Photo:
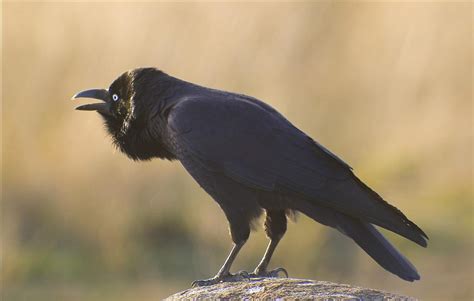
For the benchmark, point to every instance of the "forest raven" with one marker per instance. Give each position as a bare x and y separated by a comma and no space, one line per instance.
250,159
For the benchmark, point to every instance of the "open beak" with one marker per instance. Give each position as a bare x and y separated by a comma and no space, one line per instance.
100,94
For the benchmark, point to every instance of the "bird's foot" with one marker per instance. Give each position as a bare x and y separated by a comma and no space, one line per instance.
270,274
240,276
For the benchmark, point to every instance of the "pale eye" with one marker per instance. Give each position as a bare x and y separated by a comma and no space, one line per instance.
115,97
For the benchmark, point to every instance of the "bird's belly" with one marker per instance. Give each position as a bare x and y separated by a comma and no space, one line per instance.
235,199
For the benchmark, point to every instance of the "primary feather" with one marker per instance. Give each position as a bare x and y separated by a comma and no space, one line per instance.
258,147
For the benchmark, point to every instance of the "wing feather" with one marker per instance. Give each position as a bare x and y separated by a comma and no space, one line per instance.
253,144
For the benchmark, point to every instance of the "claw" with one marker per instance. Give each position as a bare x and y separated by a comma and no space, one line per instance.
242,275
205,282
274,273
271,274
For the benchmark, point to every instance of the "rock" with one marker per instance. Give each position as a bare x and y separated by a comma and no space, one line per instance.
284,288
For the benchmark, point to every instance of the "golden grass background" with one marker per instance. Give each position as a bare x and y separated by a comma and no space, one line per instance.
385,85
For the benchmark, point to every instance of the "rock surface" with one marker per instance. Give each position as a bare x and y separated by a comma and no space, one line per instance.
284,288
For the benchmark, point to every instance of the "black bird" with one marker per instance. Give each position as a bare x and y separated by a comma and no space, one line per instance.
251,160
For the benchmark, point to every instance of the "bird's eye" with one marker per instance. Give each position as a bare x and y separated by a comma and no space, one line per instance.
115,97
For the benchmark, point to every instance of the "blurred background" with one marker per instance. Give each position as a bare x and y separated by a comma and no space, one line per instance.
386,86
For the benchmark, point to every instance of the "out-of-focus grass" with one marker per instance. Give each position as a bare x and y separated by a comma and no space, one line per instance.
388,86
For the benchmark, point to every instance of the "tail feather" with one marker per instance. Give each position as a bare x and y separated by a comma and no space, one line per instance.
378,247
366,236
360,201
412,227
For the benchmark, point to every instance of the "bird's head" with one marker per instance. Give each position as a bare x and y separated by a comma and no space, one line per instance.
118,102
125,107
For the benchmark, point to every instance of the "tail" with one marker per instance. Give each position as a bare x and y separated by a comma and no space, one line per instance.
366,236
377,246
356,199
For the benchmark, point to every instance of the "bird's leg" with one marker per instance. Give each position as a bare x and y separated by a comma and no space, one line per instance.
261,269
225,269
275,227
224,274
239,231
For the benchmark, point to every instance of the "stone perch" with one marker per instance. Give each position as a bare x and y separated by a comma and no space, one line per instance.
284,288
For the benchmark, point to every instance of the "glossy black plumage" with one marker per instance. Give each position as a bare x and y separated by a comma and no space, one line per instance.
250,159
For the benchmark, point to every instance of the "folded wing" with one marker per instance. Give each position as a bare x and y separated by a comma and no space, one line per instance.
253,144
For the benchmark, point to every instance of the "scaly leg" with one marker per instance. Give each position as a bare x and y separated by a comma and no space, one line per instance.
224,275
275,227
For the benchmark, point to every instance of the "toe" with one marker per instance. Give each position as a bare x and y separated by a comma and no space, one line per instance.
204,282
276,273
271,274
243,274
240,276
197,283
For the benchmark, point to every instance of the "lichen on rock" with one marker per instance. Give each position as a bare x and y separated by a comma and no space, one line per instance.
284,288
